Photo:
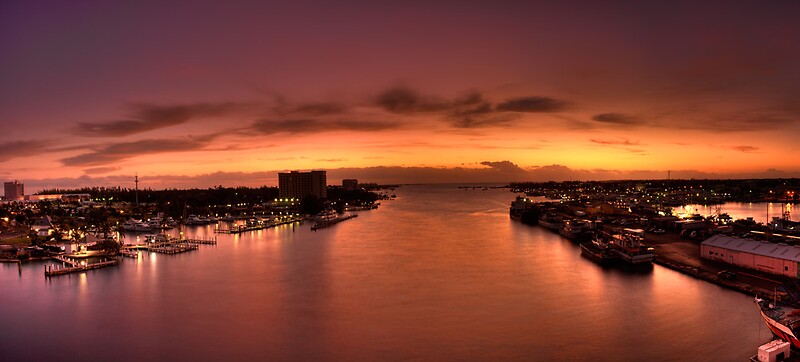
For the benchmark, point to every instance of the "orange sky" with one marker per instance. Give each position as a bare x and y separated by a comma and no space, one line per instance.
397,92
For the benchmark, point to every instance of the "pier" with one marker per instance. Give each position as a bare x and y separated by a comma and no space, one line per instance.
238,229
330,222
75,267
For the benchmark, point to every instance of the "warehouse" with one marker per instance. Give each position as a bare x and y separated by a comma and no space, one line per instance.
781,259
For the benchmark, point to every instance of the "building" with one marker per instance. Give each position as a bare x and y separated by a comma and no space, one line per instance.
14,191
349,184
780,259
298,185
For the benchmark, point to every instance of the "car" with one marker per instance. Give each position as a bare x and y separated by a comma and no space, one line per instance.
659,231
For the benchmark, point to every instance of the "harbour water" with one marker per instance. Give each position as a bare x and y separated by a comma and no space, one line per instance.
438,274
761,212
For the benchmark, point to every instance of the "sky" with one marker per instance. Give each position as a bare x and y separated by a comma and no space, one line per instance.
202,93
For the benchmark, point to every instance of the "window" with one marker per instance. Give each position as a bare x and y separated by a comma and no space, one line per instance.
785,268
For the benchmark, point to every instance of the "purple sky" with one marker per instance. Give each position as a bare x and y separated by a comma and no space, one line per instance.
179,90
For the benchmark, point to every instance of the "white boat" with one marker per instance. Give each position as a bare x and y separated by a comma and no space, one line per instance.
135,225
195,220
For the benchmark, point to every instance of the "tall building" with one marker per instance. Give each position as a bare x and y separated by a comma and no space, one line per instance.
298,185
349,184
14,190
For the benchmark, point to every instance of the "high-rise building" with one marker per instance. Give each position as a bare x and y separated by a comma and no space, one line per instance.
298,185
14,191
349,184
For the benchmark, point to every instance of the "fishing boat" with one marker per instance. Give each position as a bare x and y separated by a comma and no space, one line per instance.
783,322
598,251
551,221
627,244
576,230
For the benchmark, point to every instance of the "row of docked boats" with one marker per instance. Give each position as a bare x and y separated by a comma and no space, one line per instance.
597,243
154,223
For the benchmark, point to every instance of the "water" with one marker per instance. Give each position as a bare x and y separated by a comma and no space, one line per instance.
741,210
438,274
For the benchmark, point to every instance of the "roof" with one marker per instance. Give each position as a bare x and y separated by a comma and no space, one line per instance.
763,248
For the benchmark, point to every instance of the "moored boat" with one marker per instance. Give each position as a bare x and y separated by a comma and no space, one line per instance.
576,230
598,252
627,244
551,221
783,322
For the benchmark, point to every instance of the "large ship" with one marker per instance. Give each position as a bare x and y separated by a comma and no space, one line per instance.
551,221
627,244
784,322
598,251
576,230
524,210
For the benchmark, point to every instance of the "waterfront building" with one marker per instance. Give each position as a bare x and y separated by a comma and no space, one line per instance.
298,185
780,259
14,191
349,184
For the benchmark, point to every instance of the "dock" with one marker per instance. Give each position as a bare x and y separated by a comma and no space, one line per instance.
206,241
75,267
330,222
238,229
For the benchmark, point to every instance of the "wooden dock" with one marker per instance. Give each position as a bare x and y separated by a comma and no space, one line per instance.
330,222
75,267
206,241
238,229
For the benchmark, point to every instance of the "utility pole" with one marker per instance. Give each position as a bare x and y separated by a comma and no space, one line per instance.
669,174
136,179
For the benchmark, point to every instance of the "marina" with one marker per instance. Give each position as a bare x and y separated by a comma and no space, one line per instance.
74,266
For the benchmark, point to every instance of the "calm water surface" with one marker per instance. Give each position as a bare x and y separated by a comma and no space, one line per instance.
438,274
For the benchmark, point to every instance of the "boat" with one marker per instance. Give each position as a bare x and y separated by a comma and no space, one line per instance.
524,210
627,244
195,220
135,225
551,221
783,322
598,251
575,230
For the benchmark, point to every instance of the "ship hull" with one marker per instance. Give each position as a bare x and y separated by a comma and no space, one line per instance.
781,331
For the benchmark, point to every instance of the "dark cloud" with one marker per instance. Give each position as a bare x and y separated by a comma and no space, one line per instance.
619,142
617,118
14,149
148,117
533,104
745,149
406,100
332,160
503,166
490,120
297,126
321,108
108,154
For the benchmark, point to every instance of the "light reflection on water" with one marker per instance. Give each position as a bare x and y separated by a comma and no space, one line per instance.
440,273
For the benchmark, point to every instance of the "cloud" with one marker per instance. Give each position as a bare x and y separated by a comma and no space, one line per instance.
498,120
503,166
617,118
148,117
534,104
116,152
500,172
14,149
405,100
100,170
745,149
619,142
298,126
321,108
